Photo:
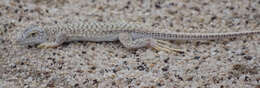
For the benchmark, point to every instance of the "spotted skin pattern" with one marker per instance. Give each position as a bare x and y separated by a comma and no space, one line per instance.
131,35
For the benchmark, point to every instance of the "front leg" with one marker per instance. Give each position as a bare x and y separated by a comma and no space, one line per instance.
59,39
127,40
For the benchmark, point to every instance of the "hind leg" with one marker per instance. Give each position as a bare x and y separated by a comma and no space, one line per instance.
127,40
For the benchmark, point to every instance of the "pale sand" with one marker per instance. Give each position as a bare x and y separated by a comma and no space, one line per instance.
222,63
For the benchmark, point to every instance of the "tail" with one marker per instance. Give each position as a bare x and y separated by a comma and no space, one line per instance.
206,36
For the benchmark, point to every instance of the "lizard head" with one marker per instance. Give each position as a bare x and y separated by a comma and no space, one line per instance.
31,36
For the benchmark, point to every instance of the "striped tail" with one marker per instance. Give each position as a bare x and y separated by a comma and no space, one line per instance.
206,36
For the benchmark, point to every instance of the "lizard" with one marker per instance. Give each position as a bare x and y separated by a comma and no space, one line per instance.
131,35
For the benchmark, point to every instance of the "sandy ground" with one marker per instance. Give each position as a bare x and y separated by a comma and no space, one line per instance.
226,63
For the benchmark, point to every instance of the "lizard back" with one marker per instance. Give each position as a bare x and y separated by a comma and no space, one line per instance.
98,31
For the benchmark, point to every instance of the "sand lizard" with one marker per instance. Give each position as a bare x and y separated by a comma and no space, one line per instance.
131,35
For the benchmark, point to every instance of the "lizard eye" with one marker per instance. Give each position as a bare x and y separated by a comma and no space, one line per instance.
33,34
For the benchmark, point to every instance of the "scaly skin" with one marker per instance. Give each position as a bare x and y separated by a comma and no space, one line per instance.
131,35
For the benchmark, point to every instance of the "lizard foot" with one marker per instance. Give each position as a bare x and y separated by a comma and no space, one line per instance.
163,46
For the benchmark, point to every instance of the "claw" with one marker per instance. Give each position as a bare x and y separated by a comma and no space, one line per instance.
164,42
171,49
161,49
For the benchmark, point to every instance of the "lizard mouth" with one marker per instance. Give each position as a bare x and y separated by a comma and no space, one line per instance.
26,43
